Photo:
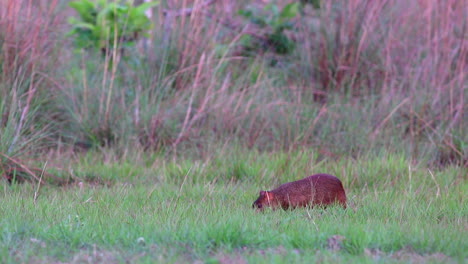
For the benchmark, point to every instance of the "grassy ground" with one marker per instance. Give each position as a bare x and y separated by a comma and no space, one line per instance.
201,211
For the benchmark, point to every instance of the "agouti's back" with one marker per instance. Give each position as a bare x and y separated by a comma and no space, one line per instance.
318,189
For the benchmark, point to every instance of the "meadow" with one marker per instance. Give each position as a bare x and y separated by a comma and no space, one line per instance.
154,152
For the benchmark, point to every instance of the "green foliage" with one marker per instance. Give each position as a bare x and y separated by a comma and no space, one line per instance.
274,22
102,22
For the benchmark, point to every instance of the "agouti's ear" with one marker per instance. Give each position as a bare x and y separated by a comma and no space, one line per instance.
262,193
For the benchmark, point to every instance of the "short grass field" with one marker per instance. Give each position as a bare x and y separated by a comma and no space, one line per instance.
200,212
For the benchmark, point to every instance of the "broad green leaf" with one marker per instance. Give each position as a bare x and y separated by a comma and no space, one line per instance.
109,19
102,3
85,8
290,11
145,6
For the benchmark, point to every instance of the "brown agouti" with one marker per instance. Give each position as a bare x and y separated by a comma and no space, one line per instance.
315,190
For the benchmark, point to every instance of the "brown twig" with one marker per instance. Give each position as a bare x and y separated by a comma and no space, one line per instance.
26,169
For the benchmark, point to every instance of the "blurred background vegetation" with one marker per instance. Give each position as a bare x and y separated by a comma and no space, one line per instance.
342,78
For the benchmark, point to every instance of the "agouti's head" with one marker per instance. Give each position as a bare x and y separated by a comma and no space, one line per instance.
266,199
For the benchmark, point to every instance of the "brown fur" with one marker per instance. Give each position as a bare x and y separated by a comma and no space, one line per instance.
315,190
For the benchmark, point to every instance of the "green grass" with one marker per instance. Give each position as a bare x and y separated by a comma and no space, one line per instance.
201,210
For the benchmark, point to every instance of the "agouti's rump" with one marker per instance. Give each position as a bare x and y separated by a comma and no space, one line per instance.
315,190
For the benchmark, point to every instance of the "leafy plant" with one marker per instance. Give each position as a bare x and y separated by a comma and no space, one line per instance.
104,25
273,25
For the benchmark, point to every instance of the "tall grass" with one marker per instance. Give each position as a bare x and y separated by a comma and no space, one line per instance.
411,56
27,116
365,76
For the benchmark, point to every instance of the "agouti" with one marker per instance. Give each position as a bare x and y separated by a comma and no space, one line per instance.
315,190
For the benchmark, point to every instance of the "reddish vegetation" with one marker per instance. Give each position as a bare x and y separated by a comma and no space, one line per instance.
315,190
